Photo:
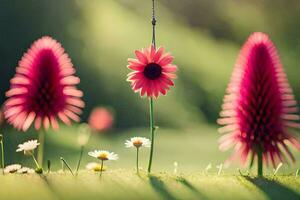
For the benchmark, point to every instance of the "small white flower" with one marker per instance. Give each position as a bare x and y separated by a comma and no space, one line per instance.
12,168
28,147
103,155
25,170
138,142
95,167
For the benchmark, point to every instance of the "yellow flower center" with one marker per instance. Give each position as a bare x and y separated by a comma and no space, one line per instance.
137,143
103,156
97,168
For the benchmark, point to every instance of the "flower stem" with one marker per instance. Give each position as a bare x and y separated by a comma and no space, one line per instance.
259,162
137,160
101,170
2,156
62,165
49,166
36,162
153,24
79,161
152,129
68,166
40,154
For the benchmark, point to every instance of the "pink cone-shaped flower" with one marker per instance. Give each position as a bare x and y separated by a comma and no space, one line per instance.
259,106
101,119
43,88
153,72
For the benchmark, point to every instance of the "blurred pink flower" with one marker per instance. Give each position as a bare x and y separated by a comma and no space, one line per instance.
43,88
152,72
259,106
101,119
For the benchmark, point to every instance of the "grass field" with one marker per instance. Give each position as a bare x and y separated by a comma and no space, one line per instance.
193,149
125,184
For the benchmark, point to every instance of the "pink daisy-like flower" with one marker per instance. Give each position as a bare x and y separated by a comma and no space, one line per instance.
259,106
43,88
152,72
101,119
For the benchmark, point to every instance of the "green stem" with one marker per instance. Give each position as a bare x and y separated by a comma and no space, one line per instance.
259,162
36,162
49,166
40,154
79,161
2,156
137,160
68,166
152,129
101,170
62,165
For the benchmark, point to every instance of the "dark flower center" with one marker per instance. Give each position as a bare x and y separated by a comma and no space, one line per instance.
152,71
47,93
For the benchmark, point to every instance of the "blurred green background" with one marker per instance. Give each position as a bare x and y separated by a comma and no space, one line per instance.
99,36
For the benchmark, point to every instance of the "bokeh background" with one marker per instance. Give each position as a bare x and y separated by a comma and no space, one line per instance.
99,35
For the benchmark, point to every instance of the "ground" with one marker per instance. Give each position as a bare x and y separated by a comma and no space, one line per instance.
125,184
193,149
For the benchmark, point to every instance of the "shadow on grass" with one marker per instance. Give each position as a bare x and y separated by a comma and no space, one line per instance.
192,188
51,188
159,186
273,189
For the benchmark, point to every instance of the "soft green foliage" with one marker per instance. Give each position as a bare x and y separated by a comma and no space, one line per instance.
192,148
125,184
204,36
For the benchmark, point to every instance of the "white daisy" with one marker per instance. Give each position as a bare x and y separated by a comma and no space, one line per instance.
138,142
25,170
95,167
28,147
103,155
12,168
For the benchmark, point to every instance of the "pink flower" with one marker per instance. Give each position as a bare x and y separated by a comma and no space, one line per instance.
152,72
101,119
259,106
43,88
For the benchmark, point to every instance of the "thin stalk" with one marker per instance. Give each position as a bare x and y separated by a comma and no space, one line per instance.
62,166
40,155
49,166
79,161
36,162
259,162
101,169
137,160
68,166
2,156
152,129
153,22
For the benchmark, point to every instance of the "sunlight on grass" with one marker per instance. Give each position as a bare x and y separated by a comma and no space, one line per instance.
120,184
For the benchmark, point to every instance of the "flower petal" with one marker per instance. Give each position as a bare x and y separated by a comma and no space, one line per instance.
166,59
141,57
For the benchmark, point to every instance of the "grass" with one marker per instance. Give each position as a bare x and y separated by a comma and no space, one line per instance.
193,149
125,184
